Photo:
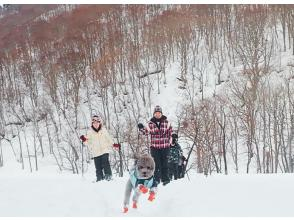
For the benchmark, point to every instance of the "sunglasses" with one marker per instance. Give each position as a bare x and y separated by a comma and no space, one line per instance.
94,120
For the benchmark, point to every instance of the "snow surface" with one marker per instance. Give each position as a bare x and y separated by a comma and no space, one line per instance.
47,194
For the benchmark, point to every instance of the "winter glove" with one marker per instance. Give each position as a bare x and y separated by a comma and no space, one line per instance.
125,210
174,136
151,196
83,138
116,146
140,126
143,188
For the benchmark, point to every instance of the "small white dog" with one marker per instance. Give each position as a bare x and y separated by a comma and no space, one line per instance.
141,179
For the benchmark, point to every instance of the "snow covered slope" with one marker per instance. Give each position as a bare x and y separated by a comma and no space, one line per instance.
66,195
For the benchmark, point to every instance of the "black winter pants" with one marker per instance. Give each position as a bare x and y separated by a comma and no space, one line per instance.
160,157
174,171
181,171
102,166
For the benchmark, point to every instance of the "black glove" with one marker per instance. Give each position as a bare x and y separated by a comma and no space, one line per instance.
140,126
175,136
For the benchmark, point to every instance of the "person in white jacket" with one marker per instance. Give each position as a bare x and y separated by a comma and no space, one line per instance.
99,142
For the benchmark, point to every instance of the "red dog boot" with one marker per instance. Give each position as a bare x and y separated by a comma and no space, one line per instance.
135,205
125,210
143,189
151,196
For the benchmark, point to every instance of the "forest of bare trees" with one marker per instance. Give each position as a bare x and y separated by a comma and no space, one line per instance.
57,67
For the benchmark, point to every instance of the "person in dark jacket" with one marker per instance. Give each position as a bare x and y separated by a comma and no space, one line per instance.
174,158
160,130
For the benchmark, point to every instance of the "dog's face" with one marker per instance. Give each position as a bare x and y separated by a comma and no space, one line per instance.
145,166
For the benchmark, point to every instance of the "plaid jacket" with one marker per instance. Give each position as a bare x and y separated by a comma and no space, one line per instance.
160,134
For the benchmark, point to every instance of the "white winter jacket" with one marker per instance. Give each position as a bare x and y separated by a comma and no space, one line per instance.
100,142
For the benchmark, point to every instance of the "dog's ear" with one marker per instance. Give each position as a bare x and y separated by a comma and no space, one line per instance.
136,157
145,151
151,161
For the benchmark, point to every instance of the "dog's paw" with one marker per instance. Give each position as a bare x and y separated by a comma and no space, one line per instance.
151,196
143,189
125,210
135,205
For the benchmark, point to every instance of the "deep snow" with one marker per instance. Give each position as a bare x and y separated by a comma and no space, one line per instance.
47,194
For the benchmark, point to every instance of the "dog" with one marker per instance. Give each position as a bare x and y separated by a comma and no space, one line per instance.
141,179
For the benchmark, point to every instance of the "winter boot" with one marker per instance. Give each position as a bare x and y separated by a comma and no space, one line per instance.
165,182
108,177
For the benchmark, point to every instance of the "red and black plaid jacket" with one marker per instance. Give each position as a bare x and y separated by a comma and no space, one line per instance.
160,135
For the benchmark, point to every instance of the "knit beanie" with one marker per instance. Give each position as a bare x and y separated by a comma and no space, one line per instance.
157,109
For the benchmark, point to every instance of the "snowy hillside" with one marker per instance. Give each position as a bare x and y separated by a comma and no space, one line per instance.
223,75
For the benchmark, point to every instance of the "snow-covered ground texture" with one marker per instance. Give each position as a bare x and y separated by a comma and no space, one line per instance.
65,195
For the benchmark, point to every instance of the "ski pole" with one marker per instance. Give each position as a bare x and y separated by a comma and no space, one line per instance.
82,158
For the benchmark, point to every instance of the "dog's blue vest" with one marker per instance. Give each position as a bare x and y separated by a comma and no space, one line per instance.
135,181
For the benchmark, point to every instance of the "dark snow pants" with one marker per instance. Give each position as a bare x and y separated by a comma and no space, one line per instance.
102,165
173,171
160,157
